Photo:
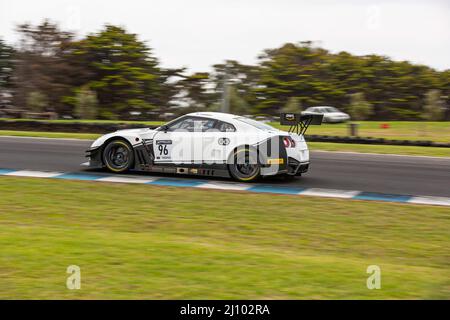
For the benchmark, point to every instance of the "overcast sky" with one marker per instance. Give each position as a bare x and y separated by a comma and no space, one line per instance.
199,33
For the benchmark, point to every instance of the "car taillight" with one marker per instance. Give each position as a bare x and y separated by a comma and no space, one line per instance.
289,142
292,143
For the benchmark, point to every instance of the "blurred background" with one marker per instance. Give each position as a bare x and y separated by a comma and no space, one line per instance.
153,60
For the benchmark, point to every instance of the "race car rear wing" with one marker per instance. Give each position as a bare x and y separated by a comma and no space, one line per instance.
298,122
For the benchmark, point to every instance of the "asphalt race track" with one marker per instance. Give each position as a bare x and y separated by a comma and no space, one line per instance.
425,176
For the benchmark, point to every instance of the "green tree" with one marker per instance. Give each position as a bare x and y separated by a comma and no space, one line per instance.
394,88
42,64
125,74
244,78
194,94
294,71
237,104
6,70
293,105
359,108
37,101
445,89
434,106
6,64
86,103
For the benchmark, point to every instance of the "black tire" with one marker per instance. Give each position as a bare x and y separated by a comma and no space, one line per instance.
118,156
243,165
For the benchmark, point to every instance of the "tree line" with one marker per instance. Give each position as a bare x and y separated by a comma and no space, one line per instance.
112,74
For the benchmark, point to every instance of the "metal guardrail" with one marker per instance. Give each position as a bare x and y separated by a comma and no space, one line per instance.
376,141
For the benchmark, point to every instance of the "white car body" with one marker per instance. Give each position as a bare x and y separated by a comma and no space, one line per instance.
204,142
330,114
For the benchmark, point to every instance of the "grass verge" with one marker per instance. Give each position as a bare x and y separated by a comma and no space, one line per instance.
43,134
438,131
397,130
151,242
383,149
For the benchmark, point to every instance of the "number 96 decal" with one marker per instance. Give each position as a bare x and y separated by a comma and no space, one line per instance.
164,149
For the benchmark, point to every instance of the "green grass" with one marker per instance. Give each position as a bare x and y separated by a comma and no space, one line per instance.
384,149
43,134
398,130
149,242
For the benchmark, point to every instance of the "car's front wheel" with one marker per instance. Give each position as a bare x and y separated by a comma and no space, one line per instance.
243,165
118,156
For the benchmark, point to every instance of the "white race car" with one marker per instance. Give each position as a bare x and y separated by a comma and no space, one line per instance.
330,114
209,144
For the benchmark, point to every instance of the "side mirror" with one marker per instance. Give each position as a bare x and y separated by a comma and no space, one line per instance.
164,128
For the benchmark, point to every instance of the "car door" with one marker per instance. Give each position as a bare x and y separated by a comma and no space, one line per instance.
217,142
181,141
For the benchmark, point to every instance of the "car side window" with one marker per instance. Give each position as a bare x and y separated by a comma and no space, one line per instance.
226,127
192,124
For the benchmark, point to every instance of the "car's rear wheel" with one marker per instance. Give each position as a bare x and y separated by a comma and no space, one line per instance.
243,165
118,156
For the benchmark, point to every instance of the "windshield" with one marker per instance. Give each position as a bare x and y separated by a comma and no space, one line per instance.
257,124
331,109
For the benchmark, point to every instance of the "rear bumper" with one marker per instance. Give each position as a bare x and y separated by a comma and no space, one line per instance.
296,167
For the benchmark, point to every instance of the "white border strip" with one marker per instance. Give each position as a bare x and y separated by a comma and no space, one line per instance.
33,174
